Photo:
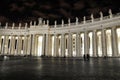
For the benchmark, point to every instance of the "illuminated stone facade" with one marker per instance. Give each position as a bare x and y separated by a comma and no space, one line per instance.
98,37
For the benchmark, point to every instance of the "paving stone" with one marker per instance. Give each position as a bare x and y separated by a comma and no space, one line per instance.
60,69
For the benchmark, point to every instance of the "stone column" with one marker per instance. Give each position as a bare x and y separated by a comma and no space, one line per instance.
77,45
3,45
86,50
50,45
55,45
6,45
47,45
66,45
29,45
94,43
70,45
27,42
104,49
24,45
18,44
13,45
36,45
80,46
62,45
114,42
10,49
0,43
33,44
43,44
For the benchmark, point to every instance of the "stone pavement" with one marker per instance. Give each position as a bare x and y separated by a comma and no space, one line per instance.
60,69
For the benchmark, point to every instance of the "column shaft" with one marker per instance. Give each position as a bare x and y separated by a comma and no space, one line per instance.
86,50
94,38
10,50
33,44
63,45
104,49
18,44
55,45
50,45
47,45
70,45
3,45
24,46
29,44
114,43
13,45
77,45
43,44
80,45
0,43
55,41
36,45
6,46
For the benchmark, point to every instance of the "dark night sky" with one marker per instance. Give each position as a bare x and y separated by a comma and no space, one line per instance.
26,10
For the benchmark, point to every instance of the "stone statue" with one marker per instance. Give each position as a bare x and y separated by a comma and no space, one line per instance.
101,15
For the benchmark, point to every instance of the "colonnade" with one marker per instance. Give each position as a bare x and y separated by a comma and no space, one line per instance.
14,45
96,43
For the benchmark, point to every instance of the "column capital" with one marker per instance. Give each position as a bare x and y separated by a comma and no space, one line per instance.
77,33
113,28
70,33
103,29
94,30
63,34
